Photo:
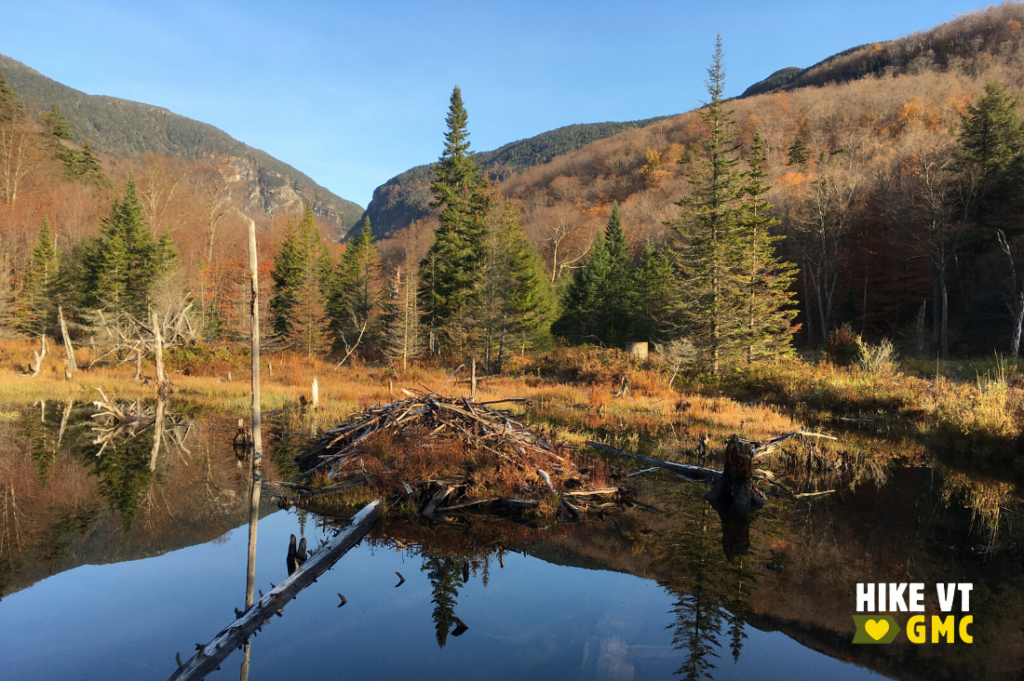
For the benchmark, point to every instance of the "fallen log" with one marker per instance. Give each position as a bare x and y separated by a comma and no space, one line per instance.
209,656
693,473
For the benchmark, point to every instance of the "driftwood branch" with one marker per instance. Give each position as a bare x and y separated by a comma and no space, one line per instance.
209,656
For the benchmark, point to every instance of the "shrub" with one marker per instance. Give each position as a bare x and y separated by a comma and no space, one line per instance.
876,359
843,346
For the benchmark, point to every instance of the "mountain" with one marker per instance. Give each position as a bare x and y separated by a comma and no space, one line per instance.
968,43
404,198
126,128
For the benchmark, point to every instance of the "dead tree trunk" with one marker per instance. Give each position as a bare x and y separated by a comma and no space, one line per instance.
68,349
158,353
38,356
735,490
257,417
249,622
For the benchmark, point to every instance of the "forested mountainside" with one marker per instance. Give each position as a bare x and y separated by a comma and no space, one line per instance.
404,198
131,129
967,44
868,178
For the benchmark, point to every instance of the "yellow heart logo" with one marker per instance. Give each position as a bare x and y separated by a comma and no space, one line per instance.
876,629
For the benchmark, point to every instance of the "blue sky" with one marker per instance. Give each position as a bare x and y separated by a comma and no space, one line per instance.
354,93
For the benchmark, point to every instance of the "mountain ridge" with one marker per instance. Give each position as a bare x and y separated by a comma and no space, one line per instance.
127,128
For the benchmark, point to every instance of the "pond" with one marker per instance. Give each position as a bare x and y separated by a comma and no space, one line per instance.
112,565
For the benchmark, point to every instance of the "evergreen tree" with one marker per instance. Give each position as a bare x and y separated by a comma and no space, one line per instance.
582,302
612,313
450,271
768,299
55,124
991,141
11,108
359,296
83,165
127,262
709,248
302,261
309,324
38,309
515,299
444,573
797,153
652,298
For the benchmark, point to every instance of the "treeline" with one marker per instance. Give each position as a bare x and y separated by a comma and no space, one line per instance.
891,207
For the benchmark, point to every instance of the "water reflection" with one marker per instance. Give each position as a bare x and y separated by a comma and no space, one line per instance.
723,587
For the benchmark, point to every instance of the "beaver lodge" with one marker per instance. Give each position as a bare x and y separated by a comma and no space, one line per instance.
440,456
444,455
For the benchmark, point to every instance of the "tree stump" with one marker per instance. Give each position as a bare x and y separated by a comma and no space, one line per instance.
735,491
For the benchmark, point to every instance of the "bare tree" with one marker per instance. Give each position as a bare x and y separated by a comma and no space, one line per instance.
19,155
824,230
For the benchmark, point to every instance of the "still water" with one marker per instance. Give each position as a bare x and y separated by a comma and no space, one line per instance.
119,562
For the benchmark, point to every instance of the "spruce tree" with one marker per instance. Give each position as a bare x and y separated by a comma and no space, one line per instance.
302,258
11,108
37,307
359,297
127,262
992,141
797,153
652,297
450,270
709,248
515,299
582,300
768,299
611,312
309,324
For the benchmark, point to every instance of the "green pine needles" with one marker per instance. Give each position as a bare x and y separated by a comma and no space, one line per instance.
733,298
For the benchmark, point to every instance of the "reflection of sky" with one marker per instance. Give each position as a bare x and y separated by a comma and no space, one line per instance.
533,621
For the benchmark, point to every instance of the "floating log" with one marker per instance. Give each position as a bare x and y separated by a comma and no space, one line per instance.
209,656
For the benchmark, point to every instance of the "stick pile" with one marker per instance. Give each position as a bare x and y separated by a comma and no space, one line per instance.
541,468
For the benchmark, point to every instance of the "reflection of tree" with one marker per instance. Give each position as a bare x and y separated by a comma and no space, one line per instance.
74,523
710,592
445,575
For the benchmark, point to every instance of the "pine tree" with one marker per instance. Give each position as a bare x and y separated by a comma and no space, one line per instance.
38,310
708,246
127,262
768,299
359,297
450,270
797,153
